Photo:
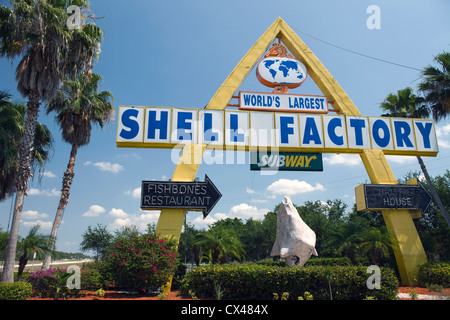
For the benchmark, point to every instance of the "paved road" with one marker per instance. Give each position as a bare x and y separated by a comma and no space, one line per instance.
37,264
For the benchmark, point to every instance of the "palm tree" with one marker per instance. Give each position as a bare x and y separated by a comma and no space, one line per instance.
36,32
346,240
406,104
378,244
219,243
78,105
33,241
436,86
11,130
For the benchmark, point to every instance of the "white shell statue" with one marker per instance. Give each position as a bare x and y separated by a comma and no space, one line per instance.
295,241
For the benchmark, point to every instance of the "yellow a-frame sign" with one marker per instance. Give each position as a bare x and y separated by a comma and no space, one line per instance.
399,222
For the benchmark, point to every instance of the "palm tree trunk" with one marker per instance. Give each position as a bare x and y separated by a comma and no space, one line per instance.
22,264
433,191
24,173
65,193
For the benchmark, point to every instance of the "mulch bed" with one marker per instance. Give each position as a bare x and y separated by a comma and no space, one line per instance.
174,295
423,291
115,295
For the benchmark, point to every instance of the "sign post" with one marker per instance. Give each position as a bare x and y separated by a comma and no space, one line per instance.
295,131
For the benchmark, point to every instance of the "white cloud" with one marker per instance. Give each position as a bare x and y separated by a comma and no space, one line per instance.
42,224
291,187
350,160
242,211
200,223
250,190
136,193
246,211
140,220
48,193
106,166
442,134
118,213
259,200
401,159
94,211
49,174
31,214
443,131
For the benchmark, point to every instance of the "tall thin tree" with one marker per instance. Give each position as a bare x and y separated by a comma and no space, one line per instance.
37,34
12,117
78,105
408,105
435,86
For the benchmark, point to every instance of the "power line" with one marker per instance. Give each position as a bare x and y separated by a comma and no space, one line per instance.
357,53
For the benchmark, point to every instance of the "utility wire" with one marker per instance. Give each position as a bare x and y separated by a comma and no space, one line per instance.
358,53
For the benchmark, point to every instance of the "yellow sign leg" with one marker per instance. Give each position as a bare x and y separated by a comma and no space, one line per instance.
170,222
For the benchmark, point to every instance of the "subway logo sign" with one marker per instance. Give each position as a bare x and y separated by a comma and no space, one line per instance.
160,127
286,161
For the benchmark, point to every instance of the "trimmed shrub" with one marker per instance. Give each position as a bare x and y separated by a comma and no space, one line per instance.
329,262
434,273
144,263
15,290
253,282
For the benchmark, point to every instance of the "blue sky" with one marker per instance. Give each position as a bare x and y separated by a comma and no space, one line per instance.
178,53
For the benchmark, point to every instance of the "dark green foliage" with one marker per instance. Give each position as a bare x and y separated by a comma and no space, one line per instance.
434,273
15,290
258,282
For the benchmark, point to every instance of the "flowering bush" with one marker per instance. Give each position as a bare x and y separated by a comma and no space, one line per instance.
44,282
143,263
51,282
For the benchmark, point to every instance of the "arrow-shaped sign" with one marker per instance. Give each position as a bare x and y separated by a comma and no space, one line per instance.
387,196
195,196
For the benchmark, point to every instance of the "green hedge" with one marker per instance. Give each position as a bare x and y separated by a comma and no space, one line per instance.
253,281
435,273
311,262
15,290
